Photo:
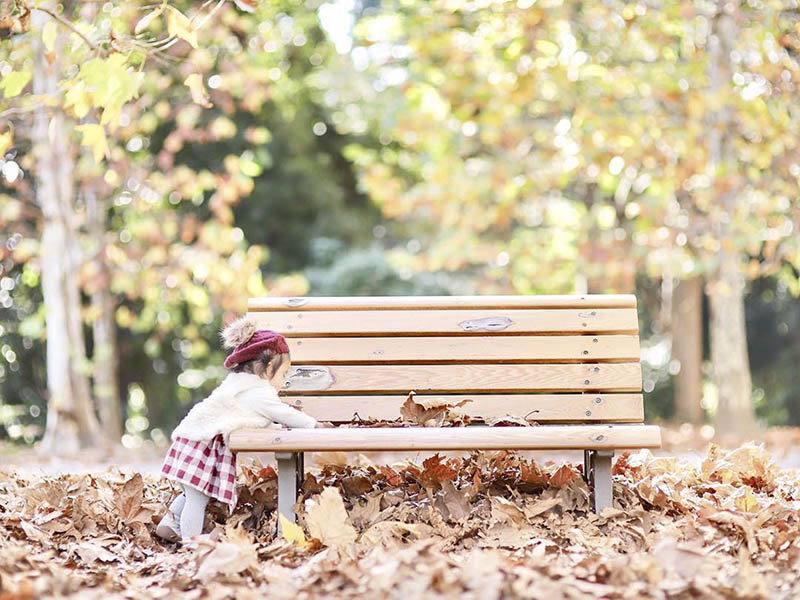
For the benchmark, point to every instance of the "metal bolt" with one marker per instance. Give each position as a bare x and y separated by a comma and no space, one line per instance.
595,370
595,340
584,324
598,400
599,438
299,343
588,413
585,352
287,384
586,381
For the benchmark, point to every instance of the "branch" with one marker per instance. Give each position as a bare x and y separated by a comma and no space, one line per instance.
210,14
17,111
71,27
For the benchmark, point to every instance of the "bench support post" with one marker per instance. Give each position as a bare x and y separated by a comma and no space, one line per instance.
290,476
597,470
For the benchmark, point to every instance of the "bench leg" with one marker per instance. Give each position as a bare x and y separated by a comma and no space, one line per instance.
290,476
597,470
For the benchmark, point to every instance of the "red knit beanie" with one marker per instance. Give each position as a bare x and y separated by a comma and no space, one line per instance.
248,342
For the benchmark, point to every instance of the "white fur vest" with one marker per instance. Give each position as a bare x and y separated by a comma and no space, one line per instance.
222,412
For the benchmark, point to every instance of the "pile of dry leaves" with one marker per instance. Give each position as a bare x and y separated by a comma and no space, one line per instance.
430,411
487,525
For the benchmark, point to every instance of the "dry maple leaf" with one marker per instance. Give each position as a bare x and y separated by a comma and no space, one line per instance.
389,532
429,411
509,421
327,520
504,510
531,477
435,471
226,558
563,476
128,498
392,477
455,501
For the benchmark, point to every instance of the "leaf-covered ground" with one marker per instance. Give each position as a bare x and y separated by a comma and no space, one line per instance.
489,525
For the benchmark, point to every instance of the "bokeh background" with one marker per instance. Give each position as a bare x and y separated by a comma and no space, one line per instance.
161,163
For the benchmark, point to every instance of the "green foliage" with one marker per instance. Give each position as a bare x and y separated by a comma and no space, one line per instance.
490,117
460,146
366,272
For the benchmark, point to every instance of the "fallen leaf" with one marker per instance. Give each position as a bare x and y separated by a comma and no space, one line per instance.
327,520
455,501
747,502
506,511
230,556
435,471
293,532
541,506
91,552
128,497
387,532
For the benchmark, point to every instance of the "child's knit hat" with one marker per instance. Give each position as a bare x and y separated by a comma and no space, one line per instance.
248,342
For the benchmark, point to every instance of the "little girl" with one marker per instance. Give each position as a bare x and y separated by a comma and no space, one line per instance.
199,458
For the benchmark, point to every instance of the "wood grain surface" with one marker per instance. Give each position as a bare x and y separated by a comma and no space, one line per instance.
410,350
622,377
310,303
448,322
451,438
618,408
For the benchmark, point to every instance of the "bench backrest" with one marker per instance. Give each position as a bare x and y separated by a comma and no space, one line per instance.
545,358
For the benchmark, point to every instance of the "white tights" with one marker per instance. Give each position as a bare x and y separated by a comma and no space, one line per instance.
190,508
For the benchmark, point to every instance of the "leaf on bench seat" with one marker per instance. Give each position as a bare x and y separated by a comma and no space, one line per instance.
430,412
509,421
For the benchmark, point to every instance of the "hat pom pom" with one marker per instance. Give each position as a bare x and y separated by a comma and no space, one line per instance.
238,332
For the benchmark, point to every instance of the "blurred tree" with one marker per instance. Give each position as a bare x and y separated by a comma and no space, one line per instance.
686,332
566,142
367,272
169,249
85,66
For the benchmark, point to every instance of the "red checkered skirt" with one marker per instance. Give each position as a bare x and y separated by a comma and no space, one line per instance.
206,466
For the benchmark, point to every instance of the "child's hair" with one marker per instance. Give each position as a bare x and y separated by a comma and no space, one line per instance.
266,363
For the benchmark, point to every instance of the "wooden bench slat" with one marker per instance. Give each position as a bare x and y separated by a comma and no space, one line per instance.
618,408
454,438
447,302
623,377
450,322
364,350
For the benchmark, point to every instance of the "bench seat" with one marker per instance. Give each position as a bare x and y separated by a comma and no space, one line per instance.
545,437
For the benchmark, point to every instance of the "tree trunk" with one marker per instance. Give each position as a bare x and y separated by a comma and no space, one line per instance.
686,325
729,359
104,334
729,350
71,422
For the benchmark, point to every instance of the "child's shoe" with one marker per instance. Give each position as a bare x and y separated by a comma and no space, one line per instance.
169,528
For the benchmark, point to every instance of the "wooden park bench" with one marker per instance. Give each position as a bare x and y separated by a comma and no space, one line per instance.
569,361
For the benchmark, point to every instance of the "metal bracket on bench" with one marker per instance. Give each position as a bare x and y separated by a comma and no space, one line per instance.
597,471
290,476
